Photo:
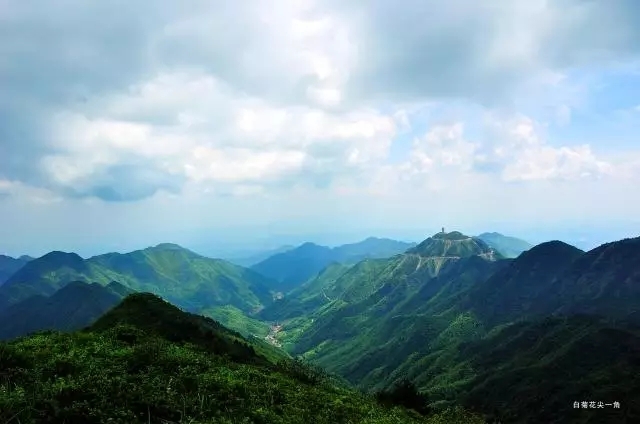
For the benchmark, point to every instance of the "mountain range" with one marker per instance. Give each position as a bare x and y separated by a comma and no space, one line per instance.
510,247
213,287
185,278
442,311
296,266
514,337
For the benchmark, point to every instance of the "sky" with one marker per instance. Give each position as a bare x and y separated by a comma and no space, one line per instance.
243,125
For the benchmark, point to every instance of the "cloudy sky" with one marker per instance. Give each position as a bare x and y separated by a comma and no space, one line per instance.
242,124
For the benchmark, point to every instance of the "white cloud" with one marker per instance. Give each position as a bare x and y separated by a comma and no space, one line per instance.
32,195
510,147
209,134
544,163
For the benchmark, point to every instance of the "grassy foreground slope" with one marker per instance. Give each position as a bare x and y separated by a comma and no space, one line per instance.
146,361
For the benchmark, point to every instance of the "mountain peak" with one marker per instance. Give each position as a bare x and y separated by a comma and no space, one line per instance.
151,314
554,247
454,235
167,246
58,255
454,245
309,245
57,259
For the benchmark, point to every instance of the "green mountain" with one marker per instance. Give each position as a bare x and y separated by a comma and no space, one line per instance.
456,245
74,306
292,268
308,297
9,266
471,328
295,266
536,371
525,288
516,340
146,361
353,301
510,247
44,276
185,278
557,279
234,318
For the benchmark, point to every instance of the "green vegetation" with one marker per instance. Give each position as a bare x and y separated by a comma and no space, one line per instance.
185,278
536,371
448,324
404,393
293,268
232,317
147,362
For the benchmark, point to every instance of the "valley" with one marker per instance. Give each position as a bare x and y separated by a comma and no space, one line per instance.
470,327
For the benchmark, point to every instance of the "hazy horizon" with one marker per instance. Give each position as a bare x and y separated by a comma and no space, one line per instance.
251,125
237,249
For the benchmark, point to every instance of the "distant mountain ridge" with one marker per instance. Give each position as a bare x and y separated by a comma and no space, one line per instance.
510,247
9,266
294,267
190,280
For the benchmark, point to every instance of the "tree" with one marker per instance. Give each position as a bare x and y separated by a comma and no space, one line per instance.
405,393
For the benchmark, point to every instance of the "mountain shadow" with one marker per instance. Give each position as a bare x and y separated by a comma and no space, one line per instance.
75,306
9,266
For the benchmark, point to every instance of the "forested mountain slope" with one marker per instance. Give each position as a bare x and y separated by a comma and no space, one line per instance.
433,315
147,362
